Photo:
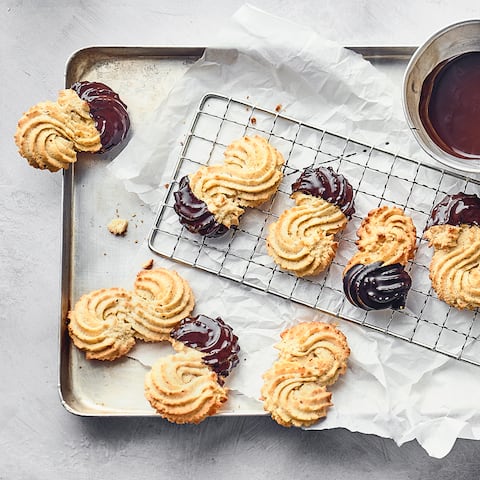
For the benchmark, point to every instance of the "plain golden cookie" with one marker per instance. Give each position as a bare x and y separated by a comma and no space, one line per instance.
312,355
160,299
182,389
386,235
302,240
99,324
293,395
319,346
50,134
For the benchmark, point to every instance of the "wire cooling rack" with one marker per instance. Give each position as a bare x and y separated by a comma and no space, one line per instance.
378,178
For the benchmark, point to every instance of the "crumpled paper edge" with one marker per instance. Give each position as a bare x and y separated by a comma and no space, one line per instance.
430,406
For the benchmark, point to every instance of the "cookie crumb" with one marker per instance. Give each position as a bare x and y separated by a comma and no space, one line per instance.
253,120
148,264
118,226
278,107
166,185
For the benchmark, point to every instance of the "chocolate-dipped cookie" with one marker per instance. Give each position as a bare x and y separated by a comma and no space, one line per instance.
375,277
453,230
214,338
217,195
107,110
303,240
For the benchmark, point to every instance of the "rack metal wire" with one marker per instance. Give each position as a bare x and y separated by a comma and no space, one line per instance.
378,178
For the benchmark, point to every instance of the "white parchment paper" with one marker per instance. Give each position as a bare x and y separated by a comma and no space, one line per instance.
392,389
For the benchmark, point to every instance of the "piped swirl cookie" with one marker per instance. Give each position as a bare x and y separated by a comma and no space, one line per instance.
211,200
105,323
453,230
183,389
100,324
303,240
311,357
161,298
375,277
50,134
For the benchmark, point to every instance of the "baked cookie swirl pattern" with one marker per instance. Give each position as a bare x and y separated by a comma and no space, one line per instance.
89,117
161,298
100,324
183,389
311,357
453,231
375,277
211,200
50,134
303,240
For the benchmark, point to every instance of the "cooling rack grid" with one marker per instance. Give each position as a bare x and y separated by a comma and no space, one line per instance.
378,178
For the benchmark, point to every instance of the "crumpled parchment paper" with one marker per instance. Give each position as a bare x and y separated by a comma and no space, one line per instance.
392,388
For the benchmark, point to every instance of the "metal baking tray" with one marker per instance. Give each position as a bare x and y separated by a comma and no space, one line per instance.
91,257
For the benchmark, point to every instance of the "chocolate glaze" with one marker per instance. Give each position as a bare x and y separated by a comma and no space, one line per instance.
194,214
377,286
108,111
214,338
458,209
450,105
324,182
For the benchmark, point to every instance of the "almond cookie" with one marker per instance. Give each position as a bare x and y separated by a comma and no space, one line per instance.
312,355
319,346
99,324
182,389
302,240
160,299
50,134
453,231
293,395
375,277
211,200
89,117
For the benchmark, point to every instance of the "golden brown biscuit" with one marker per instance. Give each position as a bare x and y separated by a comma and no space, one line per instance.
312,355
454,269
302,240
50,134
249,176
293,395
320,347
386,235
182,389
160,299
99,324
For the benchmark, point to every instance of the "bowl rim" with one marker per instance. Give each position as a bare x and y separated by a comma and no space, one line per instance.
434,150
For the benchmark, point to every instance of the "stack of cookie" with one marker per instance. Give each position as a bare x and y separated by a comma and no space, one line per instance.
312,355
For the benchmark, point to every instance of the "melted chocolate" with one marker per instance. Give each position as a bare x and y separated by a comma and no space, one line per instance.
377,286
450,105
108,111
214,338
325,183
194,214
458,209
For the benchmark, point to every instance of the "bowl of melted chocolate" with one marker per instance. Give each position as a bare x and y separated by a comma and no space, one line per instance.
441,96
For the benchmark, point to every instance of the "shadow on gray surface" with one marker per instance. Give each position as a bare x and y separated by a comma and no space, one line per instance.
256,447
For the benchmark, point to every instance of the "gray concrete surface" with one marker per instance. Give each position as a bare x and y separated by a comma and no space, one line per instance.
38,438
